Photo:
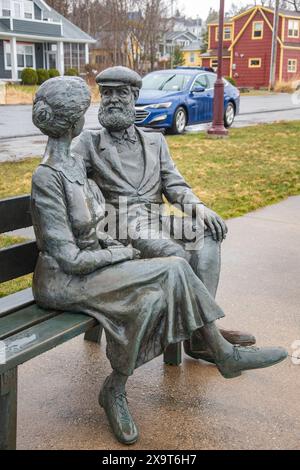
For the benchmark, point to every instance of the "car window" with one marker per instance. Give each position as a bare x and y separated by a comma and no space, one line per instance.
212,78
201,80
166,82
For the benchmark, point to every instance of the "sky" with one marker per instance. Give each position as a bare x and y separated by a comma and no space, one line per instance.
201,7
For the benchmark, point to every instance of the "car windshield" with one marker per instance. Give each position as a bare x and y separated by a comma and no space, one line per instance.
166,82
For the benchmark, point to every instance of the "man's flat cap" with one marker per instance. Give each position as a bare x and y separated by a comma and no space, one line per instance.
119,76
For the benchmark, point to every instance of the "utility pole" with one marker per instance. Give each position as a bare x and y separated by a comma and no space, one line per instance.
217,130
274,47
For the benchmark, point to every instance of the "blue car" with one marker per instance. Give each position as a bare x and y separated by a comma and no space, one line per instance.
173,99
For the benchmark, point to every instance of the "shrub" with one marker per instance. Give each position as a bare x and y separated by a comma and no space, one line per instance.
53,73
231,80
286,87
43,75
29,77
72,72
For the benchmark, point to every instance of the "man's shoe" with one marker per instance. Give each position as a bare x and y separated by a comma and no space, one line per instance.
115,406
234,337
238,337
249,358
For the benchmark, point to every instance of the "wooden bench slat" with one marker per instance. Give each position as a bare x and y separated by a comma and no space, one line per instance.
14,302
23,319
15,213
40,338
17,260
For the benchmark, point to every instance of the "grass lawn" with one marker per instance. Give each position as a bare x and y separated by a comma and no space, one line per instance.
24,94
255,167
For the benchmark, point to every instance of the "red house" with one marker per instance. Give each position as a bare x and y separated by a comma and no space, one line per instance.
247,47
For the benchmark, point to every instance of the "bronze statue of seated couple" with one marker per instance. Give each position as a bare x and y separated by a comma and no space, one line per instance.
147,293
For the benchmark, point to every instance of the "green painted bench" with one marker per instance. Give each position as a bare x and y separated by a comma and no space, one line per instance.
26,331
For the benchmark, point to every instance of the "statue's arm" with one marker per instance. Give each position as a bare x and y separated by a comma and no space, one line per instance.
175,188
55,237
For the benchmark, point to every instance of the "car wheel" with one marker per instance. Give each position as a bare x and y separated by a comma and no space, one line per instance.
229,115
179,121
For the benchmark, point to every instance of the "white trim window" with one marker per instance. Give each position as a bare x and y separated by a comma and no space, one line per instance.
28,10
5,8
74,56
7,55
292,65
293,29
25,56
17,9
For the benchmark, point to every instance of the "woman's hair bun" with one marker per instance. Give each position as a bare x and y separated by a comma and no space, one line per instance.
42,114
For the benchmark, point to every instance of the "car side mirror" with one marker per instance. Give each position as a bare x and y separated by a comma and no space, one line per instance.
198,89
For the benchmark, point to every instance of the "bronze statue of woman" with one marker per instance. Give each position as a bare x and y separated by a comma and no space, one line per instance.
143,305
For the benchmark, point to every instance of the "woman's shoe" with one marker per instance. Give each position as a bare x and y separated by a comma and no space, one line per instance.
249,358
115,406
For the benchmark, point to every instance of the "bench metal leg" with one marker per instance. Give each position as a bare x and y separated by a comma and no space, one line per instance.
94,334
8,410
172,355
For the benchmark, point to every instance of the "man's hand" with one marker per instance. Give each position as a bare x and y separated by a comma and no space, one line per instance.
215,224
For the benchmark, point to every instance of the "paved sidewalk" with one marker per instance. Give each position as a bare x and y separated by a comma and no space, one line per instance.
192,406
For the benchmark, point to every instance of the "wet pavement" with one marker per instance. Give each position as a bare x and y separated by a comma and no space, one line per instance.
191,406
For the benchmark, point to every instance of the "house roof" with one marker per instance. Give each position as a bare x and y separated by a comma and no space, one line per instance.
70,30
214,53
281,12
194,46
172,35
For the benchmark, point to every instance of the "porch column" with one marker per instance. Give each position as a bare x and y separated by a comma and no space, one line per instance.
60,58
14,60
87,56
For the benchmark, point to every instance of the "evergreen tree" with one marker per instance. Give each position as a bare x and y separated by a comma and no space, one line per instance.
178,57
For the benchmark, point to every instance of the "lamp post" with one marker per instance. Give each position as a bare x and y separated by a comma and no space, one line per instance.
218,130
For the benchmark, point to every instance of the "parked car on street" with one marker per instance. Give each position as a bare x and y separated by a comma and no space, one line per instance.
173,99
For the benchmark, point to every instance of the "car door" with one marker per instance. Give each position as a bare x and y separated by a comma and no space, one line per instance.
211,77
200,100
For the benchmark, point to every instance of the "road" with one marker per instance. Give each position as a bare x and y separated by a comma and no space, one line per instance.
16,122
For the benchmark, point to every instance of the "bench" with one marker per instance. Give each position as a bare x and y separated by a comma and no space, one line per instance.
26,331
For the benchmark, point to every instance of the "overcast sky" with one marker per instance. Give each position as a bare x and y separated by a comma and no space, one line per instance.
201,7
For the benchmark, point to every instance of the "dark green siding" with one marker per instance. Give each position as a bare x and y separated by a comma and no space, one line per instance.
39,56
3,73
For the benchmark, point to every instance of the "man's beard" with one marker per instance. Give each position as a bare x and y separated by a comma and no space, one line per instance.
116,120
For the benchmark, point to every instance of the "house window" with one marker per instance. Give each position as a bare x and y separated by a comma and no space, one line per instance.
28,9
254,63
25,56
292,65
7,55
5,7
257,30
226,33
214,64
293,29
74,56
17,8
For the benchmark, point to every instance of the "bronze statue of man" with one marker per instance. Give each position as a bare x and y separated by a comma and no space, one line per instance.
126,161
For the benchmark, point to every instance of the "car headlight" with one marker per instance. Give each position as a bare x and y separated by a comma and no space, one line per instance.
160,105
